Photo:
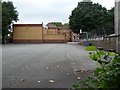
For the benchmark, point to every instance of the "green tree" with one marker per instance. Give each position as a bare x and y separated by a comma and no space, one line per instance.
106,26
59,24
109,24
90,17
66,25
9,15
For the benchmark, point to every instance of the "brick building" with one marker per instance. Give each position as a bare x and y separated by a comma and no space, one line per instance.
36,33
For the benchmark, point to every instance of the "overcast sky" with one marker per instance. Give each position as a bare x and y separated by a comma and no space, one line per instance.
38,11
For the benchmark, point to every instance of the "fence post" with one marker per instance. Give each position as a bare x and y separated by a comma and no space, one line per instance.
117,24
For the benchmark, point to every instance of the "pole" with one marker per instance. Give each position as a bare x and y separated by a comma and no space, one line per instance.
87,43
117,24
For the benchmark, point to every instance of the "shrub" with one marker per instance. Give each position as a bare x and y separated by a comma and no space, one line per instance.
107,75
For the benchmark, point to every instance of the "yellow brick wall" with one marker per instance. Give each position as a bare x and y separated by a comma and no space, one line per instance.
68,37
54,37
67,32
45,31
73,37
27,33
36,33
52,31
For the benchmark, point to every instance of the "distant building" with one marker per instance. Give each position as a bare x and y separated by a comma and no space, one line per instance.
52,29
37,33
51,26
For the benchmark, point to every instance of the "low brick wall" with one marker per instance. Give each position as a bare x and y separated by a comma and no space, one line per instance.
48,38
106,43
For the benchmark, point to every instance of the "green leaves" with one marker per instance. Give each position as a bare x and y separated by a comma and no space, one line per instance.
76,86
116,59
94,57
107,75
93,18
91,48
101,52
111,54
58,24
9,14
96,54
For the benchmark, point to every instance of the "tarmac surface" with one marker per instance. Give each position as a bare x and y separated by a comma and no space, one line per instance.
44,65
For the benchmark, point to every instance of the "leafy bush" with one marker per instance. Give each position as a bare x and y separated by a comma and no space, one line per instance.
107,75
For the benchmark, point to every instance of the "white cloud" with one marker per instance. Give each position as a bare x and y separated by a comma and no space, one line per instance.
37,11
105,3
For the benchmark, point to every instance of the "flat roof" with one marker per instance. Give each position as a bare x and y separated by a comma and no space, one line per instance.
31,25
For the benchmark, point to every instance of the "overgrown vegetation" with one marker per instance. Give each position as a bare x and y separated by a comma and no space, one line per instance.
107,75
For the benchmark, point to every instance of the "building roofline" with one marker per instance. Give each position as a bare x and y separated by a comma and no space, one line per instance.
21,25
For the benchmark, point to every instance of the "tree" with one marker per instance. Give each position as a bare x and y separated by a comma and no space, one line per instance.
109,24
89,17
79,16
66,25
106,26
9,14
58,24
